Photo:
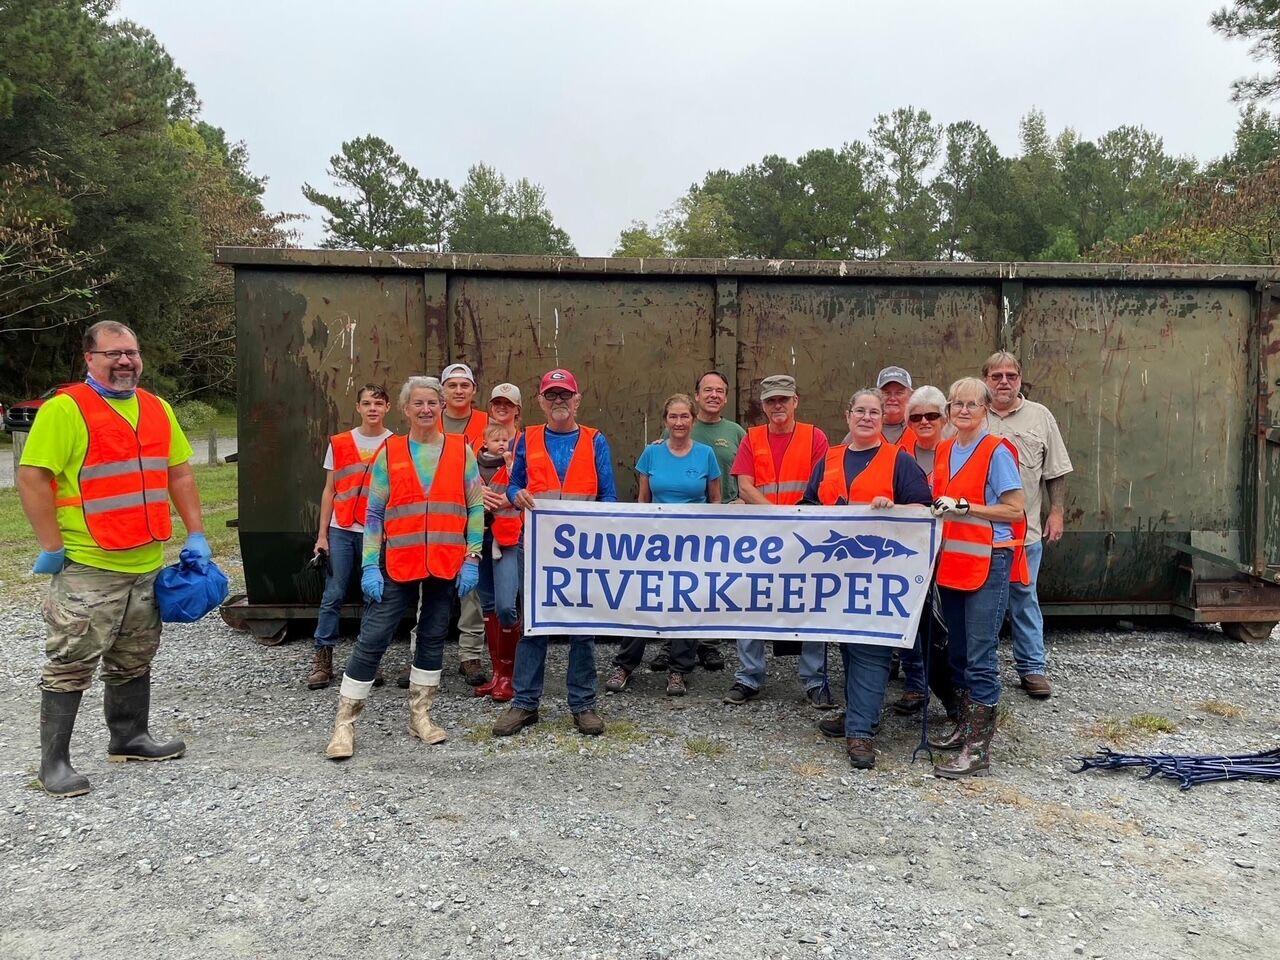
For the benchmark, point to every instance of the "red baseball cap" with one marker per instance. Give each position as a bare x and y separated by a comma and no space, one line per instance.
559,378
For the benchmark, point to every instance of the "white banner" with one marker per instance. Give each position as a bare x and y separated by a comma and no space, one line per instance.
845,574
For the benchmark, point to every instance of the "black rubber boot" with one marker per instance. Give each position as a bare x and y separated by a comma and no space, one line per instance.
57,719
127,707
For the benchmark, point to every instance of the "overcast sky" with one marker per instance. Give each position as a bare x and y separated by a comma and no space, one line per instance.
617,108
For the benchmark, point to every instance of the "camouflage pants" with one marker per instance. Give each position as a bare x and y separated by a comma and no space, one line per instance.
99,615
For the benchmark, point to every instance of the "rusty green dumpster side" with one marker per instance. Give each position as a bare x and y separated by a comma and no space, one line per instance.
1162,379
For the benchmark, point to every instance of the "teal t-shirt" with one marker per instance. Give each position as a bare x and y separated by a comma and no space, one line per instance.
723,438
682,479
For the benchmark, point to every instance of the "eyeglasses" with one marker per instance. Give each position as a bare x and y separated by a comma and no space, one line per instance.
931,417
1003,376
966,404
114,355
557,396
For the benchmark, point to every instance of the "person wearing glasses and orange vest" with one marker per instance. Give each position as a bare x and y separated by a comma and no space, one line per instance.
773,466
979,497
894,384
867,470
104,462
502,561
563,460
342,510
424,529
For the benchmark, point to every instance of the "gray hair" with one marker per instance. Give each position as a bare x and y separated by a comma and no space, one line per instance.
971,383
90,340
926,396
420,383
866,392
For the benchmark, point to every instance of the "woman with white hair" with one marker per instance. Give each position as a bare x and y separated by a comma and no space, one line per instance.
424,528
981,503
926,416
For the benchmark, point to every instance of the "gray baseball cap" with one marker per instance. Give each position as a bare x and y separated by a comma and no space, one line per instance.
893,375
506,391
457,370
779,385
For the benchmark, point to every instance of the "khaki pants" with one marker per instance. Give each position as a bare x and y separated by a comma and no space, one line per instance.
471,644
99,615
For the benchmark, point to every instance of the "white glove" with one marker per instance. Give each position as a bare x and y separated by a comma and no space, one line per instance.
944,505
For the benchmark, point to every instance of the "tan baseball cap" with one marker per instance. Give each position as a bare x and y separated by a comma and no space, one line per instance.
779,385
506,391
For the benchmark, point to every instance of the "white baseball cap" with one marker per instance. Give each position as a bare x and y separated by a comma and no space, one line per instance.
457,370
506,391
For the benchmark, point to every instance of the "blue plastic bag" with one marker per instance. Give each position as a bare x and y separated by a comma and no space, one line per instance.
189,589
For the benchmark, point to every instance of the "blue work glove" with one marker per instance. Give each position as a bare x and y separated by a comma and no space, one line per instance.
196,549
50,561
371,584
468,577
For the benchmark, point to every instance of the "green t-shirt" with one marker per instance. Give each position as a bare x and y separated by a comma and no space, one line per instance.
724,438
58,442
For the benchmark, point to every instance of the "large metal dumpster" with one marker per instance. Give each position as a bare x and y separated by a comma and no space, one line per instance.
1163,378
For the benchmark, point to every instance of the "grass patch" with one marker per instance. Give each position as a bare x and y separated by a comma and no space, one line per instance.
1220,708
704,747
18,547
1152,723
1117,731
809,770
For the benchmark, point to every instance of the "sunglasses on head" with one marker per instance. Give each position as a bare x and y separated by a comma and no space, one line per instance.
931,417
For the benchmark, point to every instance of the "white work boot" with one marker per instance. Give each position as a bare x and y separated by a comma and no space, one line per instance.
424,685
351,698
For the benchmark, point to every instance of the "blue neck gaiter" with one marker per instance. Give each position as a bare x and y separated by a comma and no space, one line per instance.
107,391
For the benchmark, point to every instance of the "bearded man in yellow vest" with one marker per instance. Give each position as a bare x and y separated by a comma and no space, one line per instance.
101,467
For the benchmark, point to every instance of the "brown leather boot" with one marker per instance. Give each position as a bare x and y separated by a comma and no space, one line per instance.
424,686
954,740
589,723
974,758
862,752
513,720
321,674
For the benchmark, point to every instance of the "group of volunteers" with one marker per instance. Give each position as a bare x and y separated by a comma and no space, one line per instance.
430,523
443,506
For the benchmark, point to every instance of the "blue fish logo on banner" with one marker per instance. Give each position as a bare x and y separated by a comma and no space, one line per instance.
839,546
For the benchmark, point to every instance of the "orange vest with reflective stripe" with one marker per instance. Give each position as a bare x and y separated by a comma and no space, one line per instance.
124,480
477,423
782,485
350,480
581,481
876,479
507,523
426,535
967,542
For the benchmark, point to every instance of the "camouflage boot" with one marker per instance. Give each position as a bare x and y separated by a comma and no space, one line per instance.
955,739
424,686
974,758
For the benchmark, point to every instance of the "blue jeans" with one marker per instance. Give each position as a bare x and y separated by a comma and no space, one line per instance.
531,667
751,655
344,561
432,598
499,586
866,675
1027,620
973,630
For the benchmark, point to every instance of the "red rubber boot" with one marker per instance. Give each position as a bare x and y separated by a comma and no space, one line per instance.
492,638
504,667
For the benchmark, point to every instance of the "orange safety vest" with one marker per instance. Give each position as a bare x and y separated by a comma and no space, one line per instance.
477,423
581,483
876,479
782,485
508,522
124,480
967,542
907,441
426,534
350,480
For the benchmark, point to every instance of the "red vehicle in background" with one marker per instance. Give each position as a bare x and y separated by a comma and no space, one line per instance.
20,416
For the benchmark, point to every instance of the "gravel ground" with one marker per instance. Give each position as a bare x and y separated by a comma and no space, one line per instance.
692,829
226,447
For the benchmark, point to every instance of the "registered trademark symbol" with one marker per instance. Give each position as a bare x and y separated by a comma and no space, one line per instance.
919,579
